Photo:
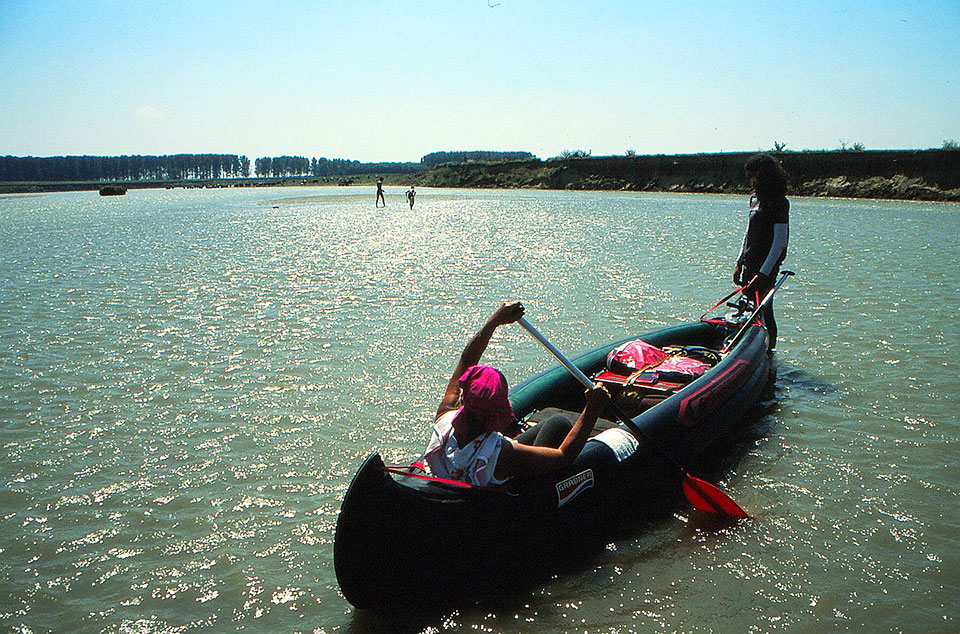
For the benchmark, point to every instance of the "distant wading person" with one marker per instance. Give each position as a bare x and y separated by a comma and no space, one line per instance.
411,194
765,243
380,193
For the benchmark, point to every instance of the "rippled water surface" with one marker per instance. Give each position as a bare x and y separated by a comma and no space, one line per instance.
189,379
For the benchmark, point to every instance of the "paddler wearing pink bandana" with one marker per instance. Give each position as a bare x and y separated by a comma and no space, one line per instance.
467,442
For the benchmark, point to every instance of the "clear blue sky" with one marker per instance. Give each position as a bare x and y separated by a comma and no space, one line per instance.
393,80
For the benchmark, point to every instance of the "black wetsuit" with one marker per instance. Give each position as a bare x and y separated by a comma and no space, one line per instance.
764,249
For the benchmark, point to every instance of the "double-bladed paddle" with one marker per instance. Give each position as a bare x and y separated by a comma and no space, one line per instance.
702,495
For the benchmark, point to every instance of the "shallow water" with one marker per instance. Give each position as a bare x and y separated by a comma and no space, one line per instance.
189,378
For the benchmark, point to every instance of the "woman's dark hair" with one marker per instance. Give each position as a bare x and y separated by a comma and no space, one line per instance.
771,178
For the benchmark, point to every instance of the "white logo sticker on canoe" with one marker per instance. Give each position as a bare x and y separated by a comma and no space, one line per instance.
574,486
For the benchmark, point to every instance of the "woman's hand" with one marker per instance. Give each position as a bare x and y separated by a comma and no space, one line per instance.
737,272
597,398
757,283
473,351
507,313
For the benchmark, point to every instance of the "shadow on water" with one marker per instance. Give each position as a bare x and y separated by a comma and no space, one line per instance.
758,424
794,377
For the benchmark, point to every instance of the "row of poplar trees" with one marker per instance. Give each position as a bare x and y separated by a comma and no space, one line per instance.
213,166
123,168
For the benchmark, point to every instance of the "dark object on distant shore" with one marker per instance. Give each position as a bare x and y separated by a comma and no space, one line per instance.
112,190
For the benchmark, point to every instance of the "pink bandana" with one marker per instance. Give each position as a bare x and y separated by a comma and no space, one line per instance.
484,393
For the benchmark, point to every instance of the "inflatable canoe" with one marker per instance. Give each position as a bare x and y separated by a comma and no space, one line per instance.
404,538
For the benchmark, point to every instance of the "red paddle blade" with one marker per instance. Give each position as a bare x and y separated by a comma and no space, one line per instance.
706,497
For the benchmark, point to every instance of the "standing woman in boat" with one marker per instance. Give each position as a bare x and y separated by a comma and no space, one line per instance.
765,243
467,443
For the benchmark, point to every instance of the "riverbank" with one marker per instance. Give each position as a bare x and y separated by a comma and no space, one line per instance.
898,175
932,175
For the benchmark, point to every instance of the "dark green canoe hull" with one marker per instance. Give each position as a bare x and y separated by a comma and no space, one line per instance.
402,542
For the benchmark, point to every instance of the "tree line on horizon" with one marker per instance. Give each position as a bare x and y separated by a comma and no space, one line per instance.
439,158
287,166
123,168
216,166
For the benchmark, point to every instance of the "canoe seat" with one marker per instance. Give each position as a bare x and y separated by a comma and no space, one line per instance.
549,412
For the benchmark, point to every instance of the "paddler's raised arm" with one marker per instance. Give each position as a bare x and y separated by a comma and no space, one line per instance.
508,313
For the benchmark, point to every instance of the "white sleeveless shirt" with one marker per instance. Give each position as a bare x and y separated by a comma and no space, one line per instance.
473,464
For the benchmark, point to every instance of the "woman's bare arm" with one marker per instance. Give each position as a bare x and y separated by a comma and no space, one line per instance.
506,314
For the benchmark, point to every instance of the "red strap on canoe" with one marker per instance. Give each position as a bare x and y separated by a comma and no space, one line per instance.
714,321
703,317
759,316
400,470
727,297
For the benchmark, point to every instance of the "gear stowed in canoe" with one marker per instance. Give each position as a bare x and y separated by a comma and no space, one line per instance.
405,537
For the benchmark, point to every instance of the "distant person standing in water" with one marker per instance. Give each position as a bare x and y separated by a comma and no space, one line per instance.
411,195
765,243
380,193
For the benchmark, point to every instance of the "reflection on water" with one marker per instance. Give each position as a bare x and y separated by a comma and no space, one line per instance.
188,380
